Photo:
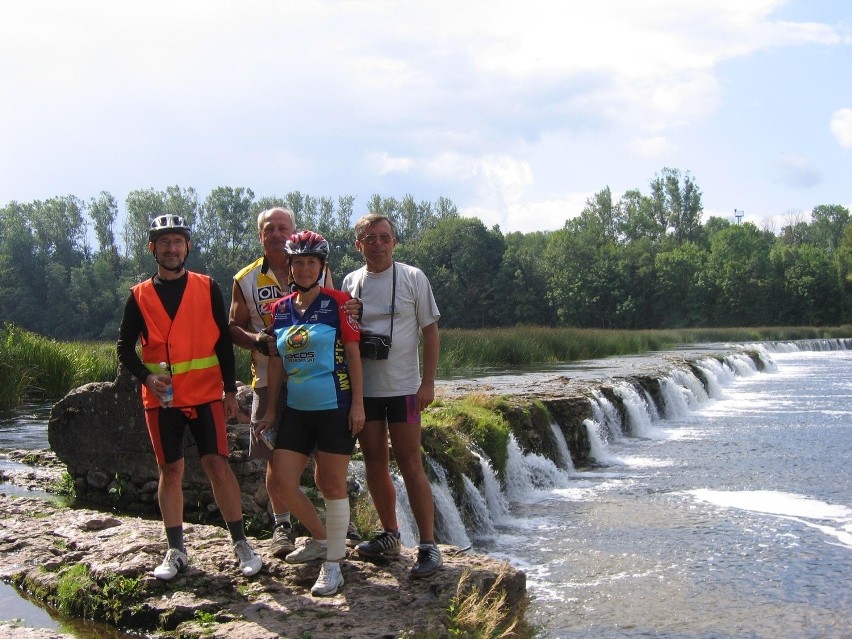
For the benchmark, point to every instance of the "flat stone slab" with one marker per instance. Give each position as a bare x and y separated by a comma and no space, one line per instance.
39,539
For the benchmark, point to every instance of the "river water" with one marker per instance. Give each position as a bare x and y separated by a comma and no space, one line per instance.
725,514
729,516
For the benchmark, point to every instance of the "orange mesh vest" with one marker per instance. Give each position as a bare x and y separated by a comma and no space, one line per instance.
187,343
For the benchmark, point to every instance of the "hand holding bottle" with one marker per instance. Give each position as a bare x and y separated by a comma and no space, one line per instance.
162,385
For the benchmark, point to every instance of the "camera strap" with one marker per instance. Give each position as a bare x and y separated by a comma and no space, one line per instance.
393,296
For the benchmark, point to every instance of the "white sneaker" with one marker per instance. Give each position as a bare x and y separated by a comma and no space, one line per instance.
310,551
330,580
174,563
250,562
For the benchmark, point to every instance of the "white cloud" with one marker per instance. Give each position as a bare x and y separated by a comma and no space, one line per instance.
841,127
509,108
652,147
382,163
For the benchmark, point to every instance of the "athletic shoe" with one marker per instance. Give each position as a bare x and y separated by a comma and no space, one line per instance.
174,563
428,561
353,538
282,540
384,543
330,580
250,562
310,551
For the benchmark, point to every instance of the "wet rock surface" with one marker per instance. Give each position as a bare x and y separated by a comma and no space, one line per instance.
39,541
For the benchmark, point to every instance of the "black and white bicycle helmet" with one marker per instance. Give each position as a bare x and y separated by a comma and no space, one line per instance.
168,223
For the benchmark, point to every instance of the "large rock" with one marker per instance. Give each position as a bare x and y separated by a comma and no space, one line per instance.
98,431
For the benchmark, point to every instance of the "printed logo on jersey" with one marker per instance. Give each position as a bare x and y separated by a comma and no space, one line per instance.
266,297
297,339
269,292
324,304
353,323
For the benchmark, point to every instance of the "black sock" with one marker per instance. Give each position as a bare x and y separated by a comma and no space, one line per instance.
237,530
174,535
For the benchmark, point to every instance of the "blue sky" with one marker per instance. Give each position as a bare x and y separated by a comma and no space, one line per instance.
517,111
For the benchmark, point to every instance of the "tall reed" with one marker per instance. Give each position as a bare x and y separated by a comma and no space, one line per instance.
33,367
465,350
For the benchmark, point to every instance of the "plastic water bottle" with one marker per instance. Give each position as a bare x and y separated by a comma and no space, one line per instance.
169,395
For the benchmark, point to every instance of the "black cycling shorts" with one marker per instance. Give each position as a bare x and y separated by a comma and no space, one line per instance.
401,409
304,431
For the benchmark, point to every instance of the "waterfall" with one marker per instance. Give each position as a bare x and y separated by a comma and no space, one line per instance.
636,409
607,416
481,510
475,506
782,347
408,534
834,344
652,407
769,364
498,506
598,448
742,364
715,375
694,390
449,526
675,400
528,473
562,452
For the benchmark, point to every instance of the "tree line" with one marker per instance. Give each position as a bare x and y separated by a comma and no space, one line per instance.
644,261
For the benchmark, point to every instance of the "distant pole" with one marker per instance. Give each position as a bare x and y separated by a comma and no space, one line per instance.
739,215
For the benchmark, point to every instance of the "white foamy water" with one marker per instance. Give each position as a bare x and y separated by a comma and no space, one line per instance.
833,520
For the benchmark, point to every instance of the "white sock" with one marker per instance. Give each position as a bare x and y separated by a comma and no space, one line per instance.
282,518
336,524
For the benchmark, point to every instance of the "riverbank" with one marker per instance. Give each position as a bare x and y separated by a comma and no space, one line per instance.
93,564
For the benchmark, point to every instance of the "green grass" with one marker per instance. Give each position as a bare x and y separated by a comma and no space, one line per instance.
464,350
35,368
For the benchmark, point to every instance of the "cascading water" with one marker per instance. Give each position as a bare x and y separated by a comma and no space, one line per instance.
495,498
607,416
449,525
597,446
529,473
562,453
638,416
475,506
742,364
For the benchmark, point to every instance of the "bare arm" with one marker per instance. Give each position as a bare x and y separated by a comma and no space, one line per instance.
431,348
274,379
239,323
356,379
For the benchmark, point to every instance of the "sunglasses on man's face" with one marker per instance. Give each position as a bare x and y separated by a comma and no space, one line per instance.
384,238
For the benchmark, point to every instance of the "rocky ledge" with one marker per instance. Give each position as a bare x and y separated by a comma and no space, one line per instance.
89,563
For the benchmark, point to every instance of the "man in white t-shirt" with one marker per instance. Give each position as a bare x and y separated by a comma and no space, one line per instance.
398,306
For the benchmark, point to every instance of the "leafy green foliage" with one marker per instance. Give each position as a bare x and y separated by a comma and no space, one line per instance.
642,261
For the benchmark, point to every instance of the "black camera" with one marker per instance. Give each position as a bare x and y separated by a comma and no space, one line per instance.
375,346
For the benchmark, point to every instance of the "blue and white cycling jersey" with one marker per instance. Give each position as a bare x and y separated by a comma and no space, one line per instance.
311,348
